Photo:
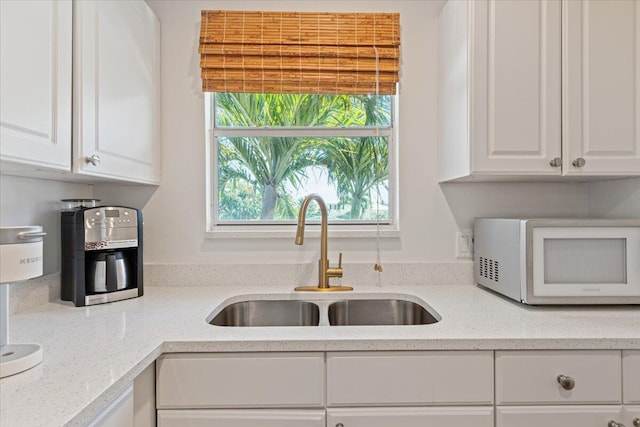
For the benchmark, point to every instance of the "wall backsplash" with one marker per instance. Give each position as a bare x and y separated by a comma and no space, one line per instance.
32,293
29,201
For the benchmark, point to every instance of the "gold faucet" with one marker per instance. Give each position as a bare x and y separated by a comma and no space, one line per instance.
324,271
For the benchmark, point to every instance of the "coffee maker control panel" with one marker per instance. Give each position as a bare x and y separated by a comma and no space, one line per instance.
110,228
110,217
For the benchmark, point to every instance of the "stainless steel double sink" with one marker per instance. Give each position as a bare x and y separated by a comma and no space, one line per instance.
363,311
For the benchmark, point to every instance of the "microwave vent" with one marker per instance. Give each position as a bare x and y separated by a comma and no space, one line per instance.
489,269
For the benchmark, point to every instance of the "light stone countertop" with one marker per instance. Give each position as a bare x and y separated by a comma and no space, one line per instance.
92,353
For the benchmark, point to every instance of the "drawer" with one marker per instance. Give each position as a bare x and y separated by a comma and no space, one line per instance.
458,416
259,380
409,378
631,376
631,415
240,418
532,377
557,416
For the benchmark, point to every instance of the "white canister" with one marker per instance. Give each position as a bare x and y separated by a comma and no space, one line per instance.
20,253
20,259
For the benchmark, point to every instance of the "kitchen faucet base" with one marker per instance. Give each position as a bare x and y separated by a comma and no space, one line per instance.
319,289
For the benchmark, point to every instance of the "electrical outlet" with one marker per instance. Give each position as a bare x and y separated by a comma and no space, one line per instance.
464,244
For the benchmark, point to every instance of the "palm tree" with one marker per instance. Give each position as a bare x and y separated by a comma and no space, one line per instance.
358,166
271,162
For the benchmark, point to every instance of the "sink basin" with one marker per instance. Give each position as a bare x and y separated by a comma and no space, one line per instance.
268,313
378,312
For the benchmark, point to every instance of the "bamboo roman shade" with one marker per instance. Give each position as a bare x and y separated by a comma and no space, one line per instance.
299,52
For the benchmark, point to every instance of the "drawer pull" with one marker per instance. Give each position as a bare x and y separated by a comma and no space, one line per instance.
614,424
636,422
566,382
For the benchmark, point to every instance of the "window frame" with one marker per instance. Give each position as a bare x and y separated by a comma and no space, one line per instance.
273,228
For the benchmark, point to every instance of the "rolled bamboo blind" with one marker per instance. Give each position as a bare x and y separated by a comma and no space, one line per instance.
299,52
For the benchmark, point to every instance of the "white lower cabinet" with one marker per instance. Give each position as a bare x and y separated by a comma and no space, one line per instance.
631,416
557,416
241,418
411,417
534,377
410,378
240,380
556,388
631,375
559,388
119,413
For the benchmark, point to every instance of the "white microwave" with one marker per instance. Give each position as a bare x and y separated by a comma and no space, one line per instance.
559,261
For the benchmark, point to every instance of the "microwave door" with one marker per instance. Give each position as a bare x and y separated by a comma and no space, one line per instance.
585,262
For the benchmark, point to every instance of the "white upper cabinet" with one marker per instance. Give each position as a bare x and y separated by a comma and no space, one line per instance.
80,90
35,84
601,82
527,88
116,81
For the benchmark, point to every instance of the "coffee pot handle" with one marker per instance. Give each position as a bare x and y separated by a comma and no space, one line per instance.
112,274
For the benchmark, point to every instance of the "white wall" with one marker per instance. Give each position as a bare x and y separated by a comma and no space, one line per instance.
429,213
615,199
28,201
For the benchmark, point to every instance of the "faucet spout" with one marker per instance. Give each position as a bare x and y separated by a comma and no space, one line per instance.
324,270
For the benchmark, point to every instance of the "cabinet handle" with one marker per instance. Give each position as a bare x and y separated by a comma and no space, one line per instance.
614,424
556,162
636,422
339,425
566,382
579,162
93,160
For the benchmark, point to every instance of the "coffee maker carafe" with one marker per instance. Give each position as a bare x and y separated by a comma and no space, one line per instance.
101,254
108,273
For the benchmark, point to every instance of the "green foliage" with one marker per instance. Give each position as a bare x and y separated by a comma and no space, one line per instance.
267,166
239,202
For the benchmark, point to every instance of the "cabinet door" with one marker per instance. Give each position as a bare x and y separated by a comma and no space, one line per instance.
119,413
410,378
601,87
241,418
116,66
529,377
35,84
411,417
515,80
631,416
631,376
240,380
557,416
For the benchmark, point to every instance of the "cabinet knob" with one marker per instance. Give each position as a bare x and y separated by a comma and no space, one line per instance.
93,160
614,424
579,162
556,162
566,382
636,422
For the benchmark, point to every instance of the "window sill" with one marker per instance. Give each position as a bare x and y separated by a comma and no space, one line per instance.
289,232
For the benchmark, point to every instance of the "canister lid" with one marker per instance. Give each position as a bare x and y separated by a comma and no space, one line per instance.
75,204
21,234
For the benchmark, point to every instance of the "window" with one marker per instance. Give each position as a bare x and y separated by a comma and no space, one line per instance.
300,103
270,150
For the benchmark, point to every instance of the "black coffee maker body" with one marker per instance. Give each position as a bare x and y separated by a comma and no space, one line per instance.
101,254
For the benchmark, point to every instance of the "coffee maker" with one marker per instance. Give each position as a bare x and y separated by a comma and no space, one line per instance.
101,253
